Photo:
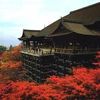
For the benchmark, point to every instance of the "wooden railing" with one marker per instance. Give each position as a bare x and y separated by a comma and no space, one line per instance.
48,51
76,51
39,51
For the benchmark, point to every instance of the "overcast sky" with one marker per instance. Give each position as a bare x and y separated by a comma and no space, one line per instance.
16,15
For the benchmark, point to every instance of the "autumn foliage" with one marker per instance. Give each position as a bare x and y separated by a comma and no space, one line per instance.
11,65
84,84
13,55
98,60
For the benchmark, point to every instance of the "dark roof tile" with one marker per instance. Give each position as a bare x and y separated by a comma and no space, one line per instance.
86,15
28,34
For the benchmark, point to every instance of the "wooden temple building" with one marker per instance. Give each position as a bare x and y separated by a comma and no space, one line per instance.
70,41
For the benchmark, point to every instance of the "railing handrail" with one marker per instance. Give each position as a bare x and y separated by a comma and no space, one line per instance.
48,51
69,50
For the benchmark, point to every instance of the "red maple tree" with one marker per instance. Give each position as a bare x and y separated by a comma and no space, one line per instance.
11,65
84,84
98,59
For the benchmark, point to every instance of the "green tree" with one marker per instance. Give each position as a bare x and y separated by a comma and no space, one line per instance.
10,48
2,49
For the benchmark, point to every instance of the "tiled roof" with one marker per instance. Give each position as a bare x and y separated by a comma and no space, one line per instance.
29,33
86,15
79,28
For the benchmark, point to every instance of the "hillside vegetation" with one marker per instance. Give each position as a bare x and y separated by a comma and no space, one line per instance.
84,84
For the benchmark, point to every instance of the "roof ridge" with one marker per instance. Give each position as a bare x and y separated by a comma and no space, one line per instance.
31,30
89,6
73,21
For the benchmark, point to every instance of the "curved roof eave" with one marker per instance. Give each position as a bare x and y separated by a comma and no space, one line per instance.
79,29
29,33
49,29
87,15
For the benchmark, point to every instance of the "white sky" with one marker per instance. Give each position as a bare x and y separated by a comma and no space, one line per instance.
16,15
